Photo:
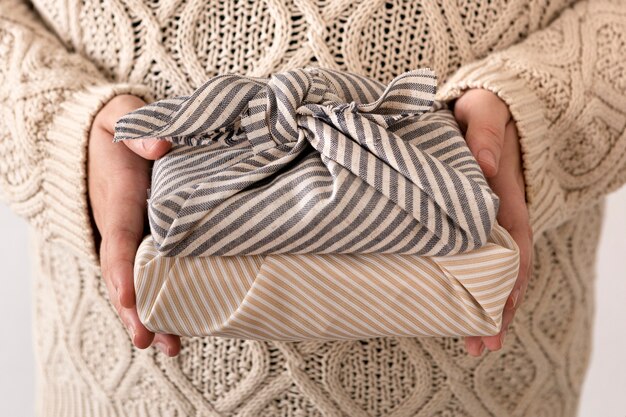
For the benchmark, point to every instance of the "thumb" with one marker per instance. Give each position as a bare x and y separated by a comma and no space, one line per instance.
121,105
485,116
148,148
485,139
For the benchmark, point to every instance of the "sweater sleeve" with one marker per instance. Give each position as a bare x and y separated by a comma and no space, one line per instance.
566,89
48,99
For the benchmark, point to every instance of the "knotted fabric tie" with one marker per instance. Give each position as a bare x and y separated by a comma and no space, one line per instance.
312,160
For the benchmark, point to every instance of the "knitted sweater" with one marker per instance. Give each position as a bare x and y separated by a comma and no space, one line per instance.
558,64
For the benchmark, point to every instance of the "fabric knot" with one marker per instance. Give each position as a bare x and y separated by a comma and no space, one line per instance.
273,113
271,116
269,111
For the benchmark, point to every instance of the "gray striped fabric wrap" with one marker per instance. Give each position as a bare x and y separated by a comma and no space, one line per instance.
314,161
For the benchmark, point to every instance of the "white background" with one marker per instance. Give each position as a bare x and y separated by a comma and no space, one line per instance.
604,392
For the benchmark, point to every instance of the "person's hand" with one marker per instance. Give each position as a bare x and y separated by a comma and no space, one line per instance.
491,135
118,177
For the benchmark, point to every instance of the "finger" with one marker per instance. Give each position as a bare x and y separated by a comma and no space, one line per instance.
139,334
474,345
519,233
121,237
513,212
496,342
121,105
485,117
513,216
169,344
148,148
484,137
121,241
121,244
524,243
122,221
117,107
510,181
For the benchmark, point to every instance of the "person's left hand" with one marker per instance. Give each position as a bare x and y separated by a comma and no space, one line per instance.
491,135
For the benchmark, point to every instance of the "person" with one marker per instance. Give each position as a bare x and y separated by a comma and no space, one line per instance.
537,86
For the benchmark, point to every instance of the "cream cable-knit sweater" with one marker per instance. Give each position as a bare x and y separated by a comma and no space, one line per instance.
561,69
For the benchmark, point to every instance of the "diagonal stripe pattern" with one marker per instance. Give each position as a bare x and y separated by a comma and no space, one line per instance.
327,297
312,161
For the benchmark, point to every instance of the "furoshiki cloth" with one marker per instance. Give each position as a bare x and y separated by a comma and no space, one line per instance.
312,161
308,165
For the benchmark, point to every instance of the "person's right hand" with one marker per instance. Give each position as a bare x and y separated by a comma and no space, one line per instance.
118,177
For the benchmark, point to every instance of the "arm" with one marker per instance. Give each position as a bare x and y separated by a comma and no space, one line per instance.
565,87
48,100
55,108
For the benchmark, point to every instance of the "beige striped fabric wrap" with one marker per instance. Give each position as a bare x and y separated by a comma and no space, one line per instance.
328,296
317,204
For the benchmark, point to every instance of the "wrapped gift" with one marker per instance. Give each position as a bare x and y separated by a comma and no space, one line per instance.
317,204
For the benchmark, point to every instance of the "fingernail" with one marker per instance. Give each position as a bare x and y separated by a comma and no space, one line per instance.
487,156
515,297
147,144
502,337
482,349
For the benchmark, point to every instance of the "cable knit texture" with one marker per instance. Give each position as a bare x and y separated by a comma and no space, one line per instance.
558,64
